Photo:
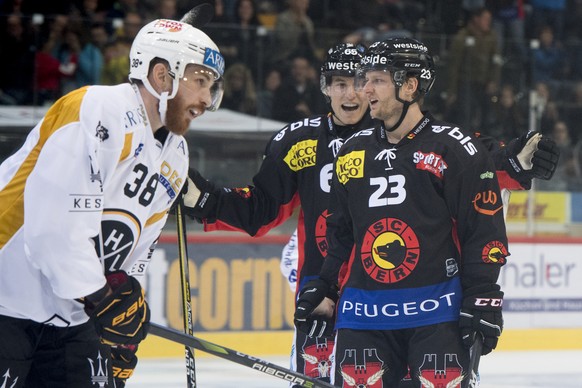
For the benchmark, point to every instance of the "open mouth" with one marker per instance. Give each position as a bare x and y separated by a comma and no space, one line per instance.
350,107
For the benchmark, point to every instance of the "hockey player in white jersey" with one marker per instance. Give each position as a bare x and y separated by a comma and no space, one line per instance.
82,204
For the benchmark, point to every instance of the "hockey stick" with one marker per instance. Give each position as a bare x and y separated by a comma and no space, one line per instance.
476,351
240,358
185,283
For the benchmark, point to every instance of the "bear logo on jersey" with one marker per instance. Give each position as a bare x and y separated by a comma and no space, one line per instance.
390,250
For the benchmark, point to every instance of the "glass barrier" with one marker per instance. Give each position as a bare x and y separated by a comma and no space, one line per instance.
500,89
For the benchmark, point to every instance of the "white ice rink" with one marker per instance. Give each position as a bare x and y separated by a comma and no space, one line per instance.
501,369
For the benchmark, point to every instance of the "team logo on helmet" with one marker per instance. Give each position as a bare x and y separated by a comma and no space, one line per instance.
390,250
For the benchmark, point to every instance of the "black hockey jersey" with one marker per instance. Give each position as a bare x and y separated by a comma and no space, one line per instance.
296,171
419,222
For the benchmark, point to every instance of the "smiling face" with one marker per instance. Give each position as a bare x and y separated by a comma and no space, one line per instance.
348,105
192,99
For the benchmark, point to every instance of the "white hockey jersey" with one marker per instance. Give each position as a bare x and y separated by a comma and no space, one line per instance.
87,193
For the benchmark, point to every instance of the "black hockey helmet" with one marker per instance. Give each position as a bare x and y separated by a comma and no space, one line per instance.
342,59
403,57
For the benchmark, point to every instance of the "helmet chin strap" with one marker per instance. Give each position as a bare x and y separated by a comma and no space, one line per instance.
404,110
162,97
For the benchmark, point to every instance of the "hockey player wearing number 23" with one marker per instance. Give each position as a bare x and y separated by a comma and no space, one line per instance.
82,204
416,213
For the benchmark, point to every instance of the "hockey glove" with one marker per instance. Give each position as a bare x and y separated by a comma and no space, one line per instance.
307,319
123,361
530,156
122,317
481,313
200,196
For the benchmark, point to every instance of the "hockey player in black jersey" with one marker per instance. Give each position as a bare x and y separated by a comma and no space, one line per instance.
292,175
416,213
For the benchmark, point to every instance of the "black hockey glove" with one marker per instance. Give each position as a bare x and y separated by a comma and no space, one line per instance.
481,313
530,156
122,317
123,361
200,196
310,296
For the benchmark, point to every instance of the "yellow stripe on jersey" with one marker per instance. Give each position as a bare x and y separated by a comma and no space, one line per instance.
155,218
63,112
127,146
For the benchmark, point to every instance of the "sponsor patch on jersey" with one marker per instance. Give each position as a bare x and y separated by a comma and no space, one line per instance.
487,203
430,162
350,166
390,250
487,175
494,252
301,155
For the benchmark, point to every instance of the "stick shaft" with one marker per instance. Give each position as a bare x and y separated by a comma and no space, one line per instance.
240,358
185,284
476,351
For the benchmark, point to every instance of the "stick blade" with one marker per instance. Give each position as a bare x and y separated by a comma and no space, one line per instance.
199,16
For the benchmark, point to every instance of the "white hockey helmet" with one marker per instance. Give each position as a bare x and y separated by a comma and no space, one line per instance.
179,44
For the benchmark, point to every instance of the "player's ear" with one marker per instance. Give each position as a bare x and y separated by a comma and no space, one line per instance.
160,78
411,86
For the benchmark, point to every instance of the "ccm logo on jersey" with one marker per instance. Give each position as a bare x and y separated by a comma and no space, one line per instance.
301,155
456,134
493,302
350,166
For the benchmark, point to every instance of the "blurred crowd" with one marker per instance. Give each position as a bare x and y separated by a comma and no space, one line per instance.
503,66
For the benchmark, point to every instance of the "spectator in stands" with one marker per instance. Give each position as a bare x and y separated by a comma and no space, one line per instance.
298,96
266,95
238,42
565,173
294,34
509,25
239,90
509,118
548,13
474,66
547,108
116,55
16,66
548,59
571,110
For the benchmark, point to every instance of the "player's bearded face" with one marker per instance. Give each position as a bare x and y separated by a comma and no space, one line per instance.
191,101
381,94
348,105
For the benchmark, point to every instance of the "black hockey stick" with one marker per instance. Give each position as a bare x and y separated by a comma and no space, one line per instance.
199,16
476,351
240,358
185,284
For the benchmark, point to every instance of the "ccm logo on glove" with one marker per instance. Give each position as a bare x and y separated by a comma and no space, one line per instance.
482,302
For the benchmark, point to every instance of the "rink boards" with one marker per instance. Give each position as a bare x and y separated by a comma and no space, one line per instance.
240,299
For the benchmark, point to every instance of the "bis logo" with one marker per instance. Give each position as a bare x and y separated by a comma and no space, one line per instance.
390,250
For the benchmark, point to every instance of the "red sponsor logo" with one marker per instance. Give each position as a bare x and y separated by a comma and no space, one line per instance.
430,162
320,230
